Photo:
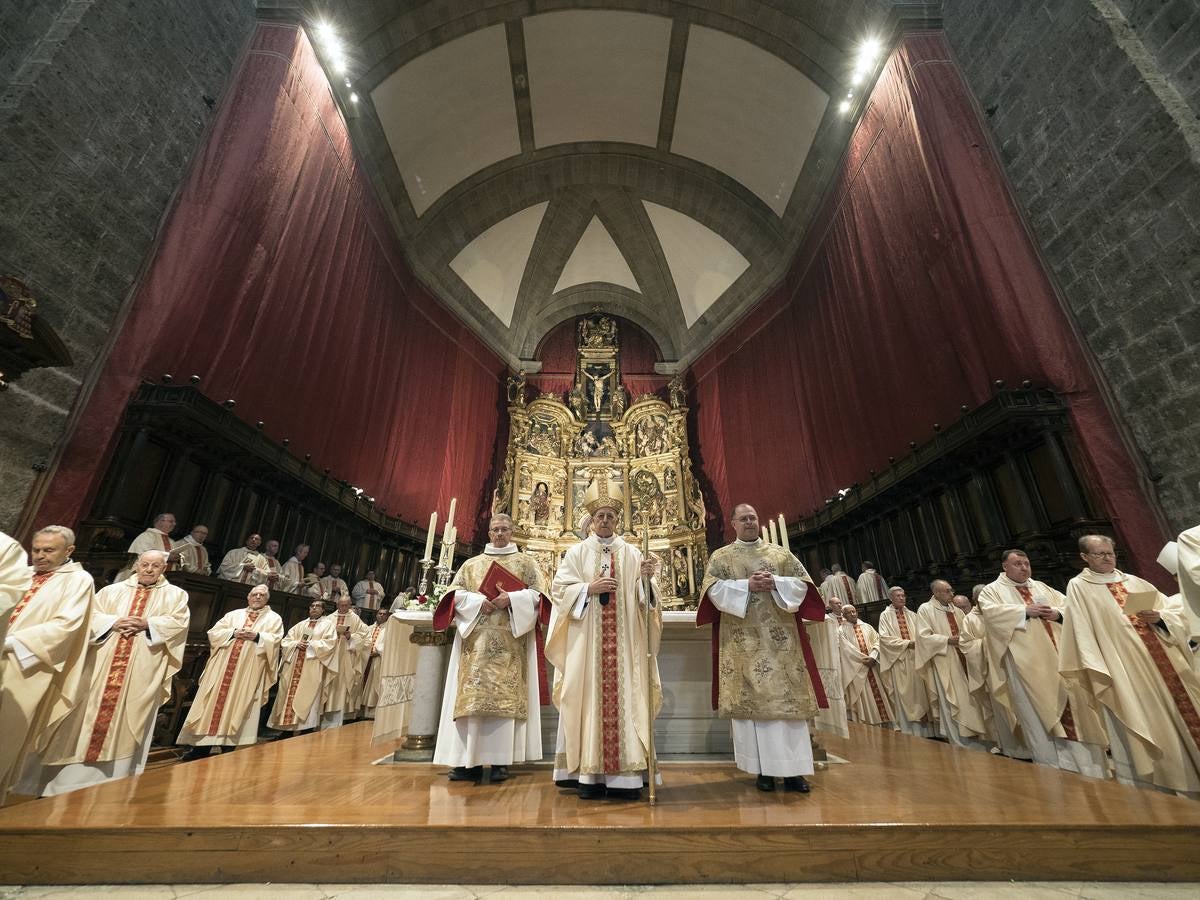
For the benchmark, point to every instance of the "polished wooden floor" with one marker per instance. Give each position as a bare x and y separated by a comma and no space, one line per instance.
313,809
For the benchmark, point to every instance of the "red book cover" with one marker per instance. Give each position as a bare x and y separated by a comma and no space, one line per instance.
499,579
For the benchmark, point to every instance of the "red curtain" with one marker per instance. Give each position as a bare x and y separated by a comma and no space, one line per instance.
278,280
918,288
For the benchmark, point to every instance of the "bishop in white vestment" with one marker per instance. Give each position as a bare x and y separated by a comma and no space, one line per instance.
597,645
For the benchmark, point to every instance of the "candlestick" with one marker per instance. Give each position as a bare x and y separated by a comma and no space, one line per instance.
426,565
783,535
430,534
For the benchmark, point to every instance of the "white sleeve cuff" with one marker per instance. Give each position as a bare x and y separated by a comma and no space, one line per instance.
468,607
523,611
26,659
581,602
789,592
732,596
152,636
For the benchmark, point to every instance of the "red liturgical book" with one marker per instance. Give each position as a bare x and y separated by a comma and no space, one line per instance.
499,579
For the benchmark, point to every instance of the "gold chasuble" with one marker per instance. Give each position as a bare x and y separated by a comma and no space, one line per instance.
236,681
496,671
493,674
108,733
597,645
1140,673
42,666
763,666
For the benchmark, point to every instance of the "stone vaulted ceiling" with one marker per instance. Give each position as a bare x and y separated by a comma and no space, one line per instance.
661,158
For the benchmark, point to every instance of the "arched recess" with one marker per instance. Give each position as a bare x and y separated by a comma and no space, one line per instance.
581,299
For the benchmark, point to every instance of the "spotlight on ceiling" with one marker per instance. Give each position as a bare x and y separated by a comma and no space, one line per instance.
844,107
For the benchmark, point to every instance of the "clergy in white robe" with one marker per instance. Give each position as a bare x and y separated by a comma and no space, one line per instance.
368,593
1136,667
1022,629
237,679
397,678
904,682
341,695
246,564
333,586
825,638
314,583
871,586
156,537
597,645
839,585
1186,567
942,647
368,695
866,699
43,664
755,596
15,577
293,570
138,632
193,555
491,707
275,580
309,666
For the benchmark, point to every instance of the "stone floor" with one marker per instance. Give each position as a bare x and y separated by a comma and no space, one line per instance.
963,890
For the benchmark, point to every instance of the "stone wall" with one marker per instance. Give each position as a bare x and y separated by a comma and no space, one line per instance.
1093,105
102,104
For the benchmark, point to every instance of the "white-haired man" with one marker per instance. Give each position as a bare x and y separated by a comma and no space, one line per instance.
943,645
138,632
1135,665
597,645
45,649
237,679
491,707
756,596
904,681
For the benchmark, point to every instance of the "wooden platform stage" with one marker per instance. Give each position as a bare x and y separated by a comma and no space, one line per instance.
314,809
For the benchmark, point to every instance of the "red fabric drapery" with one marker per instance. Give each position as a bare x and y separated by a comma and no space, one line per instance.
278,280
918,288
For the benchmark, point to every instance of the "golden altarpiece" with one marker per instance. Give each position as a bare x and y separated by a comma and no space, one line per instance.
556,449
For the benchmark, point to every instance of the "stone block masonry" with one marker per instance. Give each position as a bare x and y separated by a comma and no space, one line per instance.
1093,105
102,105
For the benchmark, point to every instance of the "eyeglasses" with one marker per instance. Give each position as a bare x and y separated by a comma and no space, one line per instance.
1106,554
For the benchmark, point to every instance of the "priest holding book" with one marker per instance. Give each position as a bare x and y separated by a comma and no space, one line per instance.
491,708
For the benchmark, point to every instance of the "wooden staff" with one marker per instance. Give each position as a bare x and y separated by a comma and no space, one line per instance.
651,763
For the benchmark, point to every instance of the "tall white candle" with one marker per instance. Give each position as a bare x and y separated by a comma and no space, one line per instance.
783,537
771,529
430,535
453,507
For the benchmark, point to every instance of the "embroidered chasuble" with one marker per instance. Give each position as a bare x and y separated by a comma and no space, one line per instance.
597,645
491,706
308,650
898,668
237,680
763,666
866,698
1141,676
108,734
43,663
957,675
